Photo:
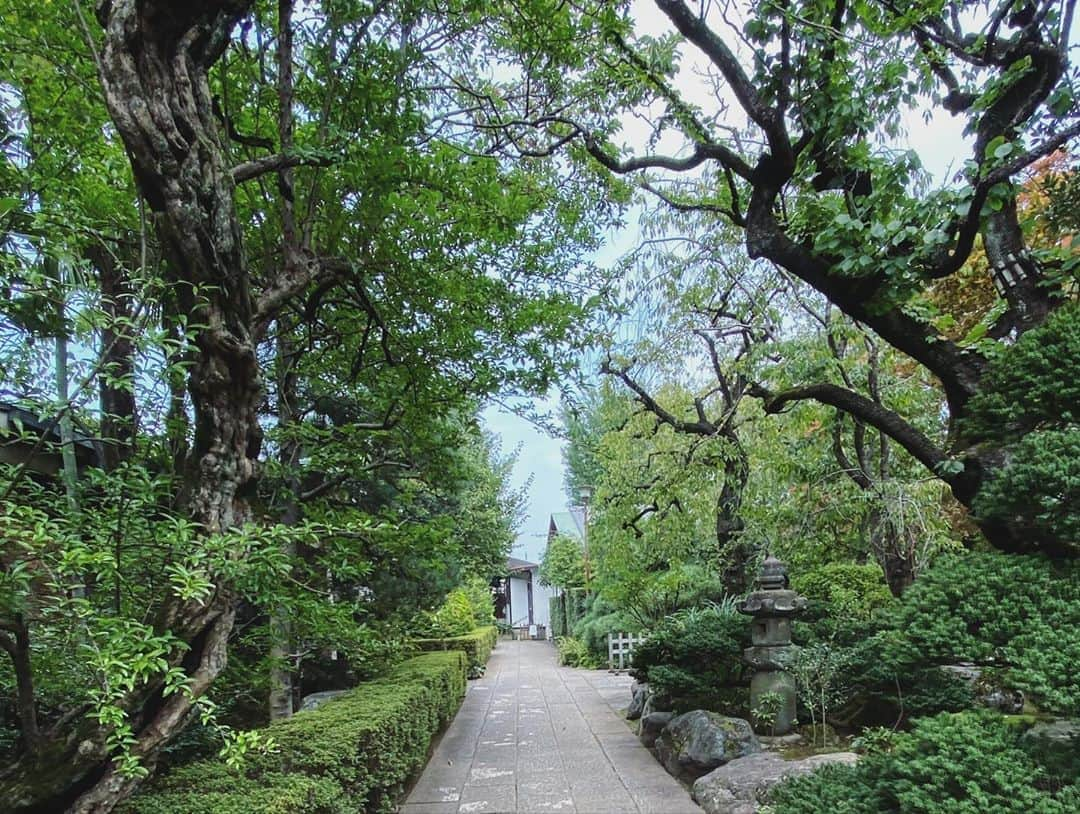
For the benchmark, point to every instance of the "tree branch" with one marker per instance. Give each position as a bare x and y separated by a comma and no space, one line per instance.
275,163
860,407
699,427
769,120
702,152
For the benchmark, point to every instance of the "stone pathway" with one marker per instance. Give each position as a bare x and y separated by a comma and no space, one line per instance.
533,737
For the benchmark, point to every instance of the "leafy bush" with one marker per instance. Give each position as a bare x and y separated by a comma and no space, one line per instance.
650,596
455,617
476,645
352,754
557,615
576,606
694,657
480,598
574,653
965,763
845,589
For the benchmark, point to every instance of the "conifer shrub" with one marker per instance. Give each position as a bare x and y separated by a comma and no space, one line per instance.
962,763
694,658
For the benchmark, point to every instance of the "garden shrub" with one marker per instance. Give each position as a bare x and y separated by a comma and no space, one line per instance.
478,592
963,763
694,657
353,754
650,596
1017,616
1028,398
845,589
1019,612
476,645
557,615
455,617
574,653
600,619
575,599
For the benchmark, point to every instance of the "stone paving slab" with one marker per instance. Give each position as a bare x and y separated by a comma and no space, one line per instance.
533,737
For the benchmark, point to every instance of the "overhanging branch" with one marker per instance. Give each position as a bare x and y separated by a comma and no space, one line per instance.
860,407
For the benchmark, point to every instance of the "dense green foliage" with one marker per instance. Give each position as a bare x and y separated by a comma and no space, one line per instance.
573,653
464,609
601,618
563,563
962,763
1031,396
476,645
255,302
694,659
844,589
352,754
1018,614
367,278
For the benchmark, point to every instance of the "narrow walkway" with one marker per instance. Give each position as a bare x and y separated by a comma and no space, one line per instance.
533,736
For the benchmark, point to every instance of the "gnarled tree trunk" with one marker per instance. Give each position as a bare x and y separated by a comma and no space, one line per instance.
153,69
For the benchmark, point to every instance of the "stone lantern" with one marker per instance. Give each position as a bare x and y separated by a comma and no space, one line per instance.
772,607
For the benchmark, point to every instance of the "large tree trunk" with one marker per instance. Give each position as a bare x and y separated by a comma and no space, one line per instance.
729,523
280,696
116,380
153,69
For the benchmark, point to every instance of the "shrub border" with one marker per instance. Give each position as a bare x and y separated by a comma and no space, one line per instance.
476,646
354,753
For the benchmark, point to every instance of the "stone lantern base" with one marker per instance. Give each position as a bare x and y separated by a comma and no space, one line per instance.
781,683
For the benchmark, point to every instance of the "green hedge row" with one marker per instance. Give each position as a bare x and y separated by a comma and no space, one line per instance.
352,755
476,646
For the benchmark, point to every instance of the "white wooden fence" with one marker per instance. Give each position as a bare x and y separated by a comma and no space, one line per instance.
620,647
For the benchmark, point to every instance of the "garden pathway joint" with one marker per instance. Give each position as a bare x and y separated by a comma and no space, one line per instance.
535,737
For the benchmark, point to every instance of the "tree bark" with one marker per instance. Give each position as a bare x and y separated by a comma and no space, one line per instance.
280,696
17,646
153,69
116,380
729,522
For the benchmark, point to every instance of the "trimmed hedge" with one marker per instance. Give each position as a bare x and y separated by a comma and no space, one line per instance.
477,646
352,755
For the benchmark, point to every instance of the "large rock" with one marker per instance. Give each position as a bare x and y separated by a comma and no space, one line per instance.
316,699
1056,744
639,691
652,725
697,742
740,786
987,688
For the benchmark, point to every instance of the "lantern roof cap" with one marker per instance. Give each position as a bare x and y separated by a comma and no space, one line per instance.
773,575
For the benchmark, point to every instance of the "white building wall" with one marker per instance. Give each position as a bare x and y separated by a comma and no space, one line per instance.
519,602
541,606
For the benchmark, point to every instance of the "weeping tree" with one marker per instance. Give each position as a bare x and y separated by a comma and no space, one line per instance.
790,136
